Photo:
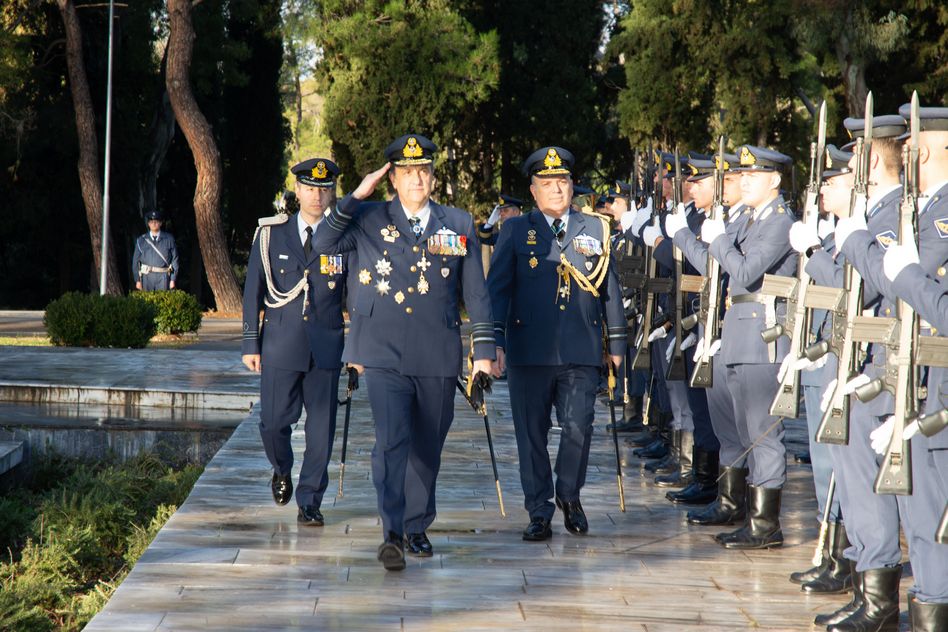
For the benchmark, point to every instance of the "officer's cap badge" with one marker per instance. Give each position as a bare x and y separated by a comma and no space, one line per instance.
412,148
552,159
747,158
717,163
320,171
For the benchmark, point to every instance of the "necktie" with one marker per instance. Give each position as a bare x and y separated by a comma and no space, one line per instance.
155,238
308,244
558,230
415,226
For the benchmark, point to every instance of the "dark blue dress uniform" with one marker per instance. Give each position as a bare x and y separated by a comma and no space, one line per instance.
300,341
552,331
487,233
155,260
405,330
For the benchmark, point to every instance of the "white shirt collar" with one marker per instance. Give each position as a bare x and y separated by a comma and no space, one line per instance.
301,226
424,215
549,219
154,235
926,197
878,194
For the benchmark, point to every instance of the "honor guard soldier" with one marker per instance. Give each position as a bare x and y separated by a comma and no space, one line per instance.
416,258
298,348
155,262
507,206
555,293
750,363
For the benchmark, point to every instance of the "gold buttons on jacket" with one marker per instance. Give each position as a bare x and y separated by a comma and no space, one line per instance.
414,248
408,310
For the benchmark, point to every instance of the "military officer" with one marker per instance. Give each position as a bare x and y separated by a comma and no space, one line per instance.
416,258
155,262
507,206
554,292
298,349
751,364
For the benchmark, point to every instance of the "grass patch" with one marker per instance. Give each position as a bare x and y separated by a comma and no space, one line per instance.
73,531
25,341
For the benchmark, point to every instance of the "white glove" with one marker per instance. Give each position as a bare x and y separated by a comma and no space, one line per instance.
713,349
627,303
850,387
627,219
670,350
680,209
688,342
804,364
784,367
669,205
494,217
675,222
657,334
803,236
651,233
699,349
881,436
910,430
825,227
828,396
847,226
899,257
711,230
641,217
717,211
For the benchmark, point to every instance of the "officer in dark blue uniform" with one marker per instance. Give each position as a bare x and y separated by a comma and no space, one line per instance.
507,206
416,259
554,292
298,349
155,261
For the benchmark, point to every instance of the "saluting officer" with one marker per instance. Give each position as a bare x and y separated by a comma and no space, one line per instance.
751,364
416,259
507,206
155,262
554,291
298,349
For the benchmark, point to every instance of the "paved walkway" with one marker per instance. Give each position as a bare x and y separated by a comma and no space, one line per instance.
230,559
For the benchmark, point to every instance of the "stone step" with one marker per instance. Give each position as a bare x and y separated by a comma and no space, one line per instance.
11,453
39,393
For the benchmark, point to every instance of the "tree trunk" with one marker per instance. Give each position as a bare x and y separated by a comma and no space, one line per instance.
853,70
88,146
207,159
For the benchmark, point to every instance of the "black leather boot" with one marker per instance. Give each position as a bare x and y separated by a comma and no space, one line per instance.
854,604
837,574
928,617
762,527
683,474
729,506
632,410
802,577
879,611
704,486
669,462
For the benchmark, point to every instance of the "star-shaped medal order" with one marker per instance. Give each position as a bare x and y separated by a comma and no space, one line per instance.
383,267
365,277
382,287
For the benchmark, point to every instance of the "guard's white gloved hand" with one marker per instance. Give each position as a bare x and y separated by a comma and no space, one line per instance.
689,342
825,227
828,396
847,226
651,233
880,437
494,217
711,230
699,349
804,364
910,430
626,303
714,348
641,217
626,219
680,209
657,334
803,236
670,351
717,211
675,222
850,387
784,367
899,257
669,205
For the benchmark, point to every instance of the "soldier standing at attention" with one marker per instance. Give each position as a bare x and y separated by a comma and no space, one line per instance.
417,258
155,262
554,289
298,349
507,207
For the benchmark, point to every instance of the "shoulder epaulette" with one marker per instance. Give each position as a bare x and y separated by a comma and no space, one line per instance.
599,215
273,220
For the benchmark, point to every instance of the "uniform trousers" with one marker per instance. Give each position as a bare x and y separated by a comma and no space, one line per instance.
753,387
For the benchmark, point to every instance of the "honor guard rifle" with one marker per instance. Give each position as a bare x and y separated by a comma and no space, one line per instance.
676,367
846,306
708,313
797,323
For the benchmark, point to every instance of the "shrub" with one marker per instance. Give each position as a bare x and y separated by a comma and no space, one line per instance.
90,320
176,311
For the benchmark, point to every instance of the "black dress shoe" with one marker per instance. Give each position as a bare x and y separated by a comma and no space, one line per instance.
310,516
282,488
418,544
538,530
574,518
391,554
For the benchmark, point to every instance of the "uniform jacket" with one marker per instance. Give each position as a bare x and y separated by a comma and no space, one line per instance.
147,253
535,323
762,247
397,322
292,337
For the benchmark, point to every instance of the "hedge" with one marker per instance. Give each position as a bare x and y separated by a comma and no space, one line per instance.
176,311
89,320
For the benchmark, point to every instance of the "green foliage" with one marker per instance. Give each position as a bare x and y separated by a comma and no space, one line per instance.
90,527
89,320
176,311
